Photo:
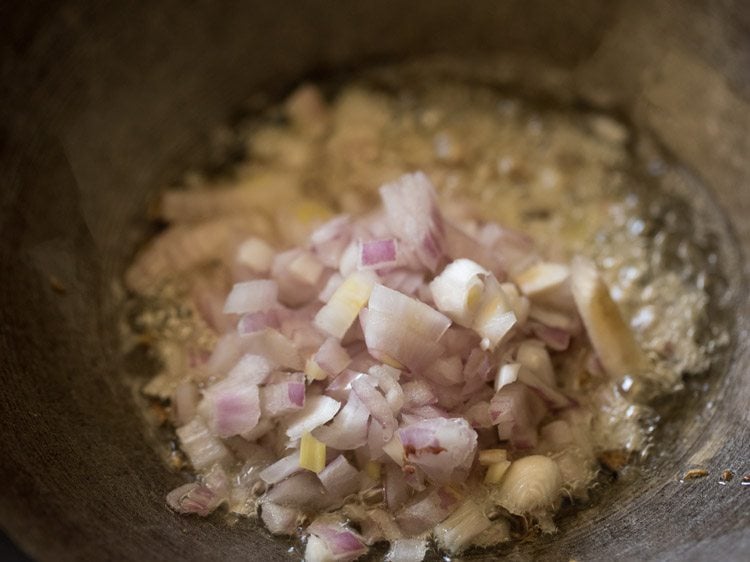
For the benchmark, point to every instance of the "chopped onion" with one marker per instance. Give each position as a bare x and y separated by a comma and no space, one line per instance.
252,296
456,532
339,477
427,510
282,398
541,278
257,321
184,402
517,411
457,291
418,393
255,254
396,489
506,375
376,404
495,317
281,469
231,407
342,309
377,254
317,411
306,268
446,371
200,445
252,369
302,490
443,448
194,498
413,216
418,316
349,427
533,356
610,335
331,357
279,520
332,541
407,550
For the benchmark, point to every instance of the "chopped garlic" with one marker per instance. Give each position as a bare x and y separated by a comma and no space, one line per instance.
312,453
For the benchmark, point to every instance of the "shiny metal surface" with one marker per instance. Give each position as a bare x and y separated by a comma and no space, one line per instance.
101,103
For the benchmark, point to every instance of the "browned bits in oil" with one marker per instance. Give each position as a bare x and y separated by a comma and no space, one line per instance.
158,413
695,473
176,460
726,476
57,285
614,460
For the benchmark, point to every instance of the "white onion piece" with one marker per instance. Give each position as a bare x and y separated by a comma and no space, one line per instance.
478,415
446,371
193,498
377,254
281,398
396,489
610,335
231,407
385,523
413,216
495,317
554,338
252,369
262,428
443,448
407,550
342,309
255,254
281,469
293,291
416,315
279,520
497,533
332,541
200,445
179,249
555,399
389,338
517,411
349,259
460,244
339,477
418,393
330,239
506,375
257,321
456,532
252,296
457,291
302,490
274,346
333,283
306,268
331,357
566,321
376,404
387,379
348,430
427,510
184,402
533,356
317,411
531,484
542,277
